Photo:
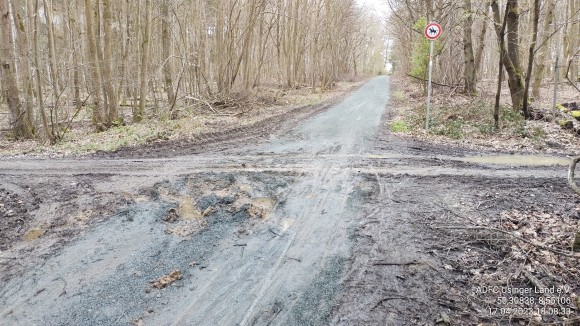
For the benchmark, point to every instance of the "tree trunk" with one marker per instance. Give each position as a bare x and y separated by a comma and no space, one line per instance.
74,30
571,44
167,44
469,69
39,92
25,69
9,86
511,60
531,58
480,46
502,54
540,66
109,89
48,10
98,116
144,74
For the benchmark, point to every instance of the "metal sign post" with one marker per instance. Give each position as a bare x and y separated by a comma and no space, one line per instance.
432,32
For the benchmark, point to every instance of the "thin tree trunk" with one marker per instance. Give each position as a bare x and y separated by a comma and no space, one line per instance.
470,70
480,46
25,69
39,93
540,66
511,60
75,53
166,49
112,101
502,54
531,52
53,68
9,86
98,116
571,44
144,74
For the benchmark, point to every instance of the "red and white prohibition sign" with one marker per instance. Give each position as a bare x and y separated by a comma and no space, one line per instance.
433,31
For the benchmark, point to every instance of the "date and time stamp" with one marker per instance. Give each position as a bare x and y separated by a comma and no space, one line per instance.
507,301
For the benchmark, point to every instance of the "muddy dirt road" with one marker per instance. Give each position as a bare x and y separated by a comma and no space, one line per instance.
278,231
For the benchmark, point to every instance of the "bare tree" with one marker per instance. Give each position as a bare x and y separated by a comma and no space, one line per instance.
20,128
144,71
470,69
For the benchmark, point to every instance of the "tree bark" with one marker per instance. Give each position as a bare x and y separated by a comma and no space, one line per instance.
144,73
9,86
53,67
469,69
511,59
25,68
166,49
98,116
502,54
39,92
480,46
112,100
531,53
540,66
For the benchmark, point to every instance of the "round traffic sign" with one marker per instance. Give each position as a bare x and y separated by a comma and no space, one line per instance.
433,31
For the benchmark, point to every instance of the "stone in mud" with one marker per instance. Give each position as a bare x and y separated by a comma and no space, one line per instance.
171,216
166,280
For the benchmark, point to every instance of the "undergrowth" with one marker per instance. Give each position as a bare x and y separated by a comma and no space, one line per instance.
473,117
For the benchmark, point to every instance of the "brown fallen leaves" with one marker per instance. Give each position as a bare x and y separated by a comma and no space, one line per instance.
508,250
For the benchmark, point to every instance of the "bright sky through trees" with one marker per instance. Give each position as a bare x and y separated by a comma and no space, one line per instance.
380,6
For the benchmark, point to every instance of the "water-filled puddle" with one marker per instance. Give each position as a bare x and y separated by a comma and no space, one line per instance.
525,160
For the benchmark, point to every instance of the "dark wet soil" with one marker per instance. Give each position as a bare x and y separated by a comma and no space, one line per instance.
409,268
14,216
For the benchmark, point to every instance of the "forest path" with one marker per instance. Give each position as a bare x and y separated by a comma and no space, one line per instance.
263,234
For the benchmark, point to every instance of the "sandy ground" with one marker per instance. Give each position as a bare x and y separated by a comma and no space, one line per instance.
323,217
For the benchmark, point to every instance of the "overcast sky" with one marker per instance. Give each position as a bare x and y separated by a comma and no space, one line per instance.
379,5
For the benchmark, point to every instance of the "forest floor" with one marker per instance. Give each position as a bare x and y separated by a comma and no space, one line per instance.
459,120
323,217
196,121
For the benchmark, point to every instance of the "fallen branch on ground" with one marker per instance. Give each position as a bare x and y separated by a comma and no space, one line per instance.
434,83
538,245
203,101
383,263
535,281
392,298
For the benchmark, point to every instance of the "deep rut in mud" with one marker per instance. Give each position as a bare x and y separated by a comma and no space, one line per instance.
325,224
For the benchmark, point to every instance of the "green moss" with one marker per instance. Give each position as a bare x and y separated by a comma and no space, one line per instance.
450,128
399,126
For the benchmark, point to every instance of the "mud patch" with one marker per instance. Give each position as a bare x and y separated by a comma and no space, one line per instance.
38,216
33,234
15,216
122,253
198,200
416,259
